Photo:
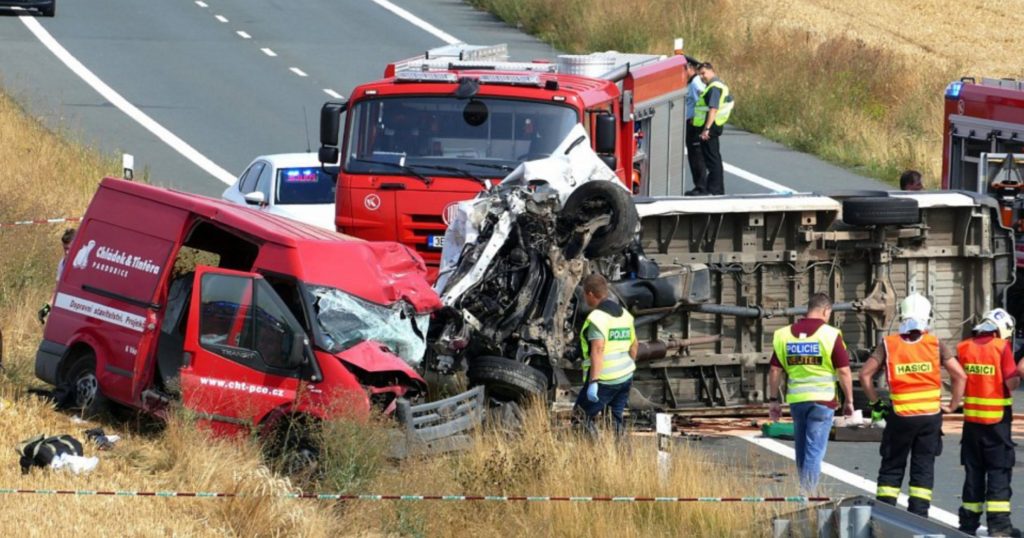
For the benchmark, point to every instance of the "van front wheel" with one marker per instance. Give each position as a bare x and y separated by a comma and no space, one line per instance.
86,397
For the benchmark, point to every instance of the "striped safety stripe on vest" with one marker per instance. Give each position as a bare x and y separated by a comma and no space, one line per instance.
915,382
725,105
807,360
619,337
985,398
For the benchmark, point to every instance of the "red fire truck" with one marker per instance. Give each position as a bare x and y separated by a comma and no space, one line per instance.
983,152
439,127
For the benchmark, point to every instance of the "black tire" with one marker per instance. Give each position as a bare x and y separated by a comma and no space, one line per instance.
293,449
506,379
50,10
595,198
877,210
87,397
852,193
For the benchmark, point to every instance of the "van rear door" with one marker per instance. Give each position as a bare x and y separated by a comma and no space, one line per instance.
239,342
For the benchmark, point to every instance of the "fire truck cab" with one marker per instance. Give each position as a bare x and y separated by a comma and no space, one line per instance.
440,127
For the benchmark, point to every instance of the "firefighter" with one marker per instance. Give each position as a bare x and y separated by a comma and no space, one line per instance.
609,345
813,356
914,425
987,451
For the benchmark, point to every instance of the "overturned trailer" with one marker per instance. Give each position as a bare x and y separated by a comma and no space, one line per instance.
750,263
708,280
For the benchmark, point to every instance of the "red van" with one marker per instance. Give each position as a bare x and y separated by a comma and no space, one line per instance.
246,317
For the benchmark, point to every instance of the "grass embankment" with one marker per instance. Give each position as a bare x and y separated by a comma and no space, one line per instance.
44,175
860,85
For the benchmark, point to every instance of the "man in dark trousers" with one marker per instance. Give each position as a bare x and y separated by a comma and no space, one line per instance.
609,345
694,87
813,356
914,428
987,449
714,106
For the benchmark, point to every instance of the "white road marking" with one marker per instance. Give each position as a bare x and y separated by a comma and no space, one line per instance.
451,40
332,93
243,35
754,178
418,22
841,474
221,18
298,71
268,52
200,3
123,105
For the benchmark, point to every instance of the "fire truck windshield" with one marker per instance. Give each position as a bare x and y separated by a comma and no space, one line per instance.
480,136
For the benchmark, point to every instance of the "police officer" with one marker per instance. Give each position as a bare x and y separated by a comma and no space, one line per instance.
986,449
813,356
694,88
608,341
911,359
714,106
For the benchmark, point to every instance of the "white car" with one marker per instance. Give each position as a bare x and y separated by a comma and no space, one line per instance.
288,184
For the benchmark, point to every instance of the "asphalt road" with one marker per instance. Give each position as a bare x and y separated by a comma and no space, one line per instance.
220,92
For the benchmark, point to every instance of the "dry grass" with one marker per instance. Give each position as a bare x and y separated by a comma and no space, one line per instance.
859,84
181,457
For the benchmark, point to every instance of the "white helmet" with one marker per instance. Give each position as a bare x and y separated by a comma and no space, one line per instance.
915,313
996,320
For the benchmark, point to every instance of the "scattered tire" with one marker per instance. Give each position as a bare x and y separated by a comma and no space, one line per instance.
596,198
87,398
877,210
506,379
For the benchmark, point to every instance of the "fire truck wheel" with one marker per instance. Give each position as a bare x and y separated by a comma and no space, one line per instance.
506,379
87,398
594,199
877,210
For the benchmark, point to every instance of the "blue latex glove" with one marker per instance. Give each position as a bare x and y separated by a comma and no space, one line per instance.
592,391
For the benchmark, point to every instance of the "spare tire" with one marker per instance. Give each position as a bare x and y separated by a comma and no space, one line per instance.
506,379
877,210
596,198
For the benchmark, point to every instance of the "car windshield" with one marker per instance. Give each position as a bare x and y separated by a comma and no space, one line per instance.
307,185
345,320
482,136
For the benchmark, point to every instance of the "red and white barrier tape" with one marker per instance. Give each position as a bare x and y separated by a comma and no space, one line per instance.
58,220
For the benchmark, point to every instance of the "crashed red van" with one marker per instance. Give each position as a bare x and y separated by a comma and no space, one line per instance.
246,317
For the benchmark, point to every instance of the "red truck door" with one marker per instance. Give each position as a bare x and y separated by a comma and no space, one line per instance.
244,350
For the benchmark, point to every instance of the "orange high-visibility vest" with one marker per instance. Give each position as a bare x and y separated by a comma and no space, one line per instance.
985,396
915,383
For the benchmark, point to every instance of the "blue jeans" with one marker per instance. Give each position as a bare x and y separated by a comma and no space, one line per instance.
614,397
812,423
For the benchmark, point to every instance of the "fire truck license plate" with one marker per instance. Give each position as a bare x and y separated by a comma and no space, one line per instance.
435,241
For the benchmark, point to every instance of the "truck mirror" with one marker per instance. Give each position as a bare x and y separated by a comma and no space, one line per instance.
604,133
330,122
297,353
328,155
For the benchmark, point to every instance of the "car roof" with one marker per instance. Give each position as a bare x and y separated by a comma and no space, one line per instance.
291,160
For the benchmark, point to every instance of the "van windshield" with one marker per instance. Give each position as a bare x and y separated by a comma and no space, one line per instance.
481,135
345,320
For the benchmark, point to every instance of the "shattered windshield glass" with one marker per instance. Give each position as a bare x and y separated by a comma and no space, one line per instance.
346,320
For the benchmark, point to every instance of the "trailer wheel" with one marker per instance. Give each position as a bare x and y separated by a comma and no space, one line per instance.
86,396
877,210
596,198
506,379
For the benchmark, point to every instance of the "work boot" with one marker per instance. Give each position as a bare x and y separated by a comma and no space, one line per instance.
695,192
918,507
969,521
1000,525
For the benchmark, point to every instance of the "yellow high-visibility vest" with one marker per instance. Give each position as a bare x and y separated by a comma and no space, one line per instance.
807,359
619,336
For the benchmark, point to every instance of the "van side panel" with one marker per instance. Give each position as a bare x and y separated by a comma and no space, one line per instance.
112,278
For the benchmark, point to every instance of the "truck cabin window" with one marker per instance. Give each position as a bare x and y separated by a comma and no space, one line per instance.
446,131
